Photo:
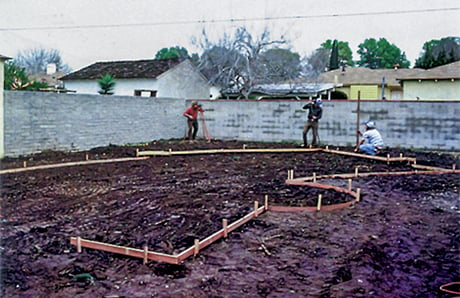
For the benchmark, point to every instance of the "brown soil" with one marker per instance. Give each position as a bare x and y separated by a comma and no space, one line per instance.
400,240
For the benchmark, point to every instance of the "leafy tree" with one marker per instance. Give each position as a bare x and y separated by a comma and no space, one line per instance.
237,61
172,52
439,52
334,60
107,84
316,63
345,55
381,54
279,65
16,78
36,60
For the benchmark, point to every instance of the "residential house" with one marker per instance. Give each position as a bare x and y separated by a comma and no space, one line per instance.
438,83
152,78
2,78
371,83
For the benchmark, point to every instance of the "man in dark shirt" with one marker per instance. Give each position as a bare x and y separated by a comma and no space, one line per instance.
315,112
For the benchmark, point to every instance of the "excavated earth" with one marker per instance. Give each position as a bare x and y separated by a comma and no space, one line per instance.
400,240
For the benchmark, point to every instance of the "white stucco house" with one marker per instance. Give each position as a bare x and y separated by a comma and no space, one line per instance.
176,78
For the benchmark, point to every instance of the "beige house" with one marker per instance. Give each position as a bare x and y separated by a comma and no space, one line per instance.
371,83
2,78
439,83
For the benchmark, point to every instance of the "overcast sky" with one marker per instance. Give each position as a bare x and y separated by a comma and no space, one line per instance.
87,31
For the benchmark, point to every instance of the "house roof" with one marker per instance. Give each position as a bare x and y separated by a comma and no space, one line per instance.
129,69
443,72
367,76
281,90
4,57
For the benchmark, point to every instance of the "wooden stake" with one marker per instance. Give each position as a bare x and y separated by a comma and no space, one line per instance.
137,151
256,206
358,194
146,254
454,166
400,155
350,184
266,202
25,163
224,225
356,171
314,177
197,247
320,197
388,158
244,146
87,156
327,147
79,244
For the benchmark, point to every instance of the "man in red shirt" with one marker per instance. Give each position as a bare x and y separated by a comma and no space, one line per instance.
192,119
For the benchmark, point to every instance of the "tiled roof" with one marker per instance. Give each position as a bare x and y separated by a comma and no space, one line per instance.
4,57
443,72
132,69
367,76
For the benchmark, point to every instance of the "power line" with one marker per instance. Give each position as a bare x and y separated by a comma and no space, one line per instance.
232,20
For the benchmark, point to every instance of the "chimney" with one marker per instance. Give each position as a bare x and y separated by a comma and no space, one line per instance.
51,69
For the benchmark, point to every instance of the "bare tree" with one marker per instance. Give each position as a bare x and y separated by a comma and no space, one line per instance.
36,60
236,61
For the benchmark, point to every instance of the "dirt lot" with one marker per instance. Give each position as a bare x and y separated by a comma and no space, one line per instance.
401,240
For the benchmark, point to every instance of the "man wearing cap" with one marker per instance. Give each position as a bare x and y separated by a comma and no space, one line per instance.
315,112
191,113
371,142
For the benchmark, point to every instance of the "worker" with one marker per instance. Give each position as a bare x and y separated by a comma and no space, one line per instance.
371,142
315,112
191,113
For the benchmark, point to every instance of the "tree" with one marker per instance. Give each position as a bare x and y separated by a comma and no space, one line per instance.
237,61
107,84
172,52
16,78
345,55
279,65
36,60
334,61
439,52
381,54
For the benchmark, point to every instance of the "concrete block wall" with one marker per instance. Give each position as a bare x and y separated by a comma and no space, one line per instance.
36,121
416,124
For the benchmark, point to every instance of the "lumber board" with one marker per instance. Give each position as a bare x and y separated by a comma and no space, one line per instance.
226,151
127,251
71,164
245,219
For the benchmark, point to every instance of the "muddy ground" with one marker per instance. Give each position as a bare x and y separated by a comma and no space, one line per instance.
401,240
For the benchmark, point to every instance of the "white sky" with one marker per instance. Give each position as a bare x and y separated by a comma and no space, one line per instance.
76,27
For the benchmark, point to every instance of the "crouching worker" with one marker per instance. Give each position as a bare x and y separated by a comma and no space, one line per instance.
191,113
371,142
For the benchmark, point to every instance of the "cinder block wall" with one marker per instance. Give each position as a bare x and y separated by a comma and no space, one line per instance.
35,121
416,124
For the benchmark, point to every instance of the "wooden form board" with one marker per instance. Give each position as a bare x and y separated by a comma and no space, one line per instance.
70,164
224,151
161,257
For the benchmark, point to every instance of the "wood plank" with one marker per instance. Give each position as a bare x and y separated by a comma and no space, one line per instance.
127,251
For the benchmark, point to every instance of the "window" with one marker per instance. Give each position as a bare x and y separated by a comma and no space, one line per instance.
145,93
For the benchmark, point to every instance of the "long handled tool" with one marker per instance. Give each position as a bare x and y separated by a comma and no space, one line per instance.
206,135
